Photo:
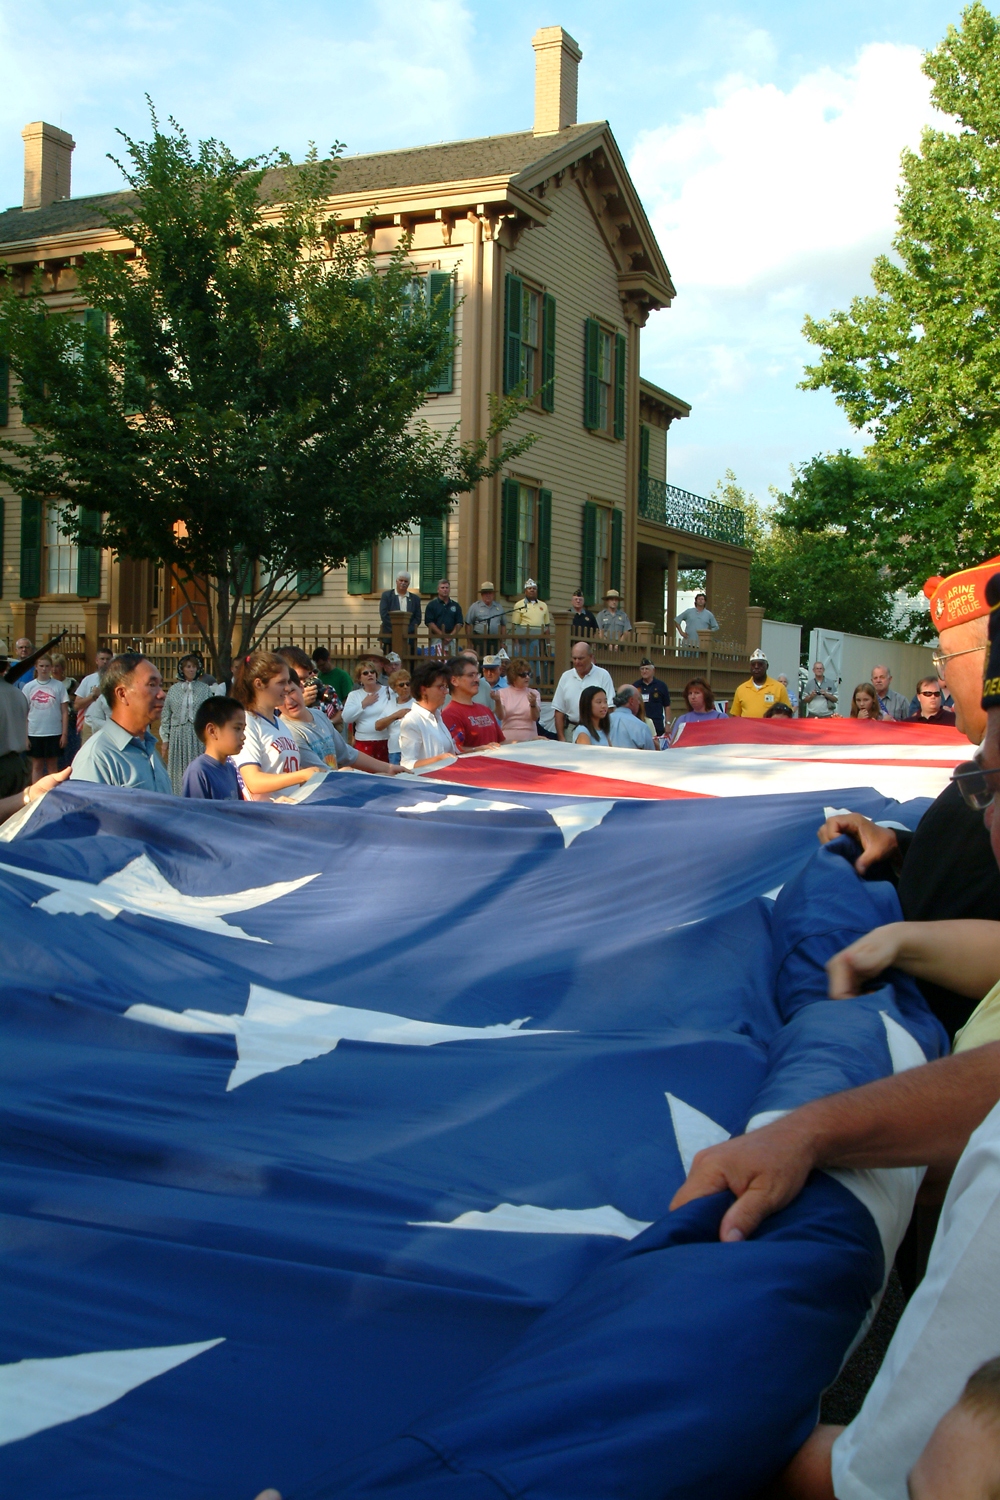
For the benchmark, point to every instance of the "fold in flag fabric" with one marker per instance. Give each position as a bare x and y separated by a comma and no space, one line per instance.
373,1199
729,758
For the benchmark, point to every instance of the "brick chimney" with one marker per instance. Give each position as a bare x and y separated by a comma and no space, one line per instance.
47,155
557,60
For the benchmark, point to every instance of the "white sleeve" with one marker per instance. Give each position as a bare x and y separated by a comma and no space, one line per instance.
560,699
253,753
352,708
411,741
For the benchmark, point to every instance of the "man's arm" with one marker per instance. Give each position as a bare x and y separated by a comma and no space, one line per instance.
922,1117
961,955
561,722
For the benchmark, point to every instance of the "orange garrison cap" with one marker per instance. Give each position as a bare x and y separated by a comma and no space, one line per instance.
962,596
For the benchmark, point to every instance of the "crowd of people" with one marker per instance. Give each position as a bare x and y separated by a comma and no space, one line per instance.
302,714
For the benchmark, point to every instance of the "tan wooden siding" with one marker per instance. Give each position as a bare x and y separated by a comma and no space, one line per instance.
569,258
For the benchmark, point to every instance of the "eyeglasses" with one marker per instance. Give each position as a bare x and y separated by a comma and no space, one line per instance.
369,673
929,693
939,660
974,784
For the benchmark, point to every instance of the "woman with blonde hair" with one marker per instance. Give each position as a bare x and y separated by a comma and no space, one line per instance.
402,697
370,701
270,759
177,735
520,702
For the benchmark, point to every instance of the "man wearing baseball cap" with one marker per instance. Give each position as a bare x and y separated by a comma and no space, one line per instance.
486,617
945,869
753,698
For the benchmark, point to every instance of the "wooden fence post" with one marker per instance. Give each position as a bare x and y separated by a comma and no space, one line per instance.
643,632
399,621
755,627
705,644
560,619
95,625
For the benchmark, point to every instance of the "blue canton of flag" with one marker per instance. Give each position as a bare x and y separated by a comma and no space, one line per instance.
338,1142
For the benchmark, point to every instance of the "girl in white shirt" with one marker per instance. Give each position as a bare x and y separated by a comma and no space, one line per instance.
48,719
370,701
270,759
424,738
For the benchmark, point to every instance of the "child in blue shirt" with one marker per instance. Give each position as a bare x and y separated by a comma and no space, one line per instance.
220,724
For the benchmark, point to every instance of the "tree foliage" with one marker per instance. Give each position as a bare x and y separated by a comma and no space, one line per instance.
248,411
807,568
917,363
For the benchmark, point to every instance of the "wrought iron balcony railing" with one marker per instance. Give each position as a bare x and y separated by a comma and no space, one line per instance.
692,513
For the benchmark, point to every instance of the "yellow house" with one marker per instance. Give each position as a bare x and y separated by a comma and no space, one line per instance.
554,270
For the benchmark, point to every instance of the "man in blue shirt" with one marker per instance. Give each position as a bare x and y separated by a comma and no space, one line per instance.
628,731
124,752
443,617
655,694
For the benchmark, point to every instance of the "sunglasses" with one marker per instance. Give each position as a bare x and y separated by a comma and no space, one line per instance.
369,673
974,784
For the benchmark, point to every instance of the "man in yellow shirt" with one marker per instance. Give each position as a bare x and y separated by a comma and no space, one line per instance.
530,621
753,698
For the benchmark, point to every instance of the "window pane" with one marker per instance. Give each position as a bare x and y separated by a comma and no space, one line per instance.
529,319
603,548
525,532
60,556
528,369
604,367
399,554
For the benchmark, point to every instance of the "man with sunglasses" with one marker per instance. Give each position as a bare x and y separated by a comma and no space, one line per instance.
929,710
945,869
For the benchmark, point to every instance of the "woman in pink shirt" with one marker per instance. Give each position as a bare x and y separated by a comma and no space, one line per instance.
521,704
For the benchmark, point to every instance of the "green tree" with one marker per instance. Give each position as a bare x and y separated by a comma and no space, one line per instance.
917,363
807,568
245,405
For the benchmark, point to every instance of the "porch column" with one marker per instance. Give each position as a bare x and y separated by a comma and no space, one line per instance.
24,620
671,629
755,626
563,646
95,627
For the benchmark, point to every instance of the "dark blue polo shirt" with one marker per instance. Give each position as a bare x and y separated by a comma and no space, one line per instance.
444,613
656,698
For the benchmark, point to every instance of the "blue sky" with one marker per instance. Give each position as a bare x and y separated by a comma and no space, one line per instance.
764,139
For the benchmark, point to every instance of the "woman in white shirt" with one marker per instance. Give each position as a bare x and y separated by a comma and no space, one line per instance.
270,760
424,738
370,701
399,683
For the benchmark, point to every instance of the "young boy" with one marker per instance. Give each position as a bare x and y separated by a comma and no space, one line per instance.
220,724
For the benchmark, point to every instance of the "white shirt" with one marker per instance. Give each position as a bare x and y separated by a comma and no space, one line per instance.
98,714
396,724
89,685
364,719
45,701
423,734
268,745
566,698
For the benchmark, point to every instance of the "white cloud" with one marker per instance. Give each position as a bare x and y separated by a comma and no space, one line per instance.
771,203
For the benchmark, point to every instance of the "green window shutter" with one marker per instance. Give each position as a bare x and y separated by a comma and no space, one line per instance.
88,559
359,572
591,394
442,300
513,302
31,548
620,353
133,388
616,549
589,570
433,555
543,564
95,322
4,390
310,581
548,353
644,451
508,538
32,389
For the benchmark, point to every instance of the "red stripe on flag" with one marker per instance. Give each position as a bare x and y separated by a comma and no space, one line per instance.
513,776
817,731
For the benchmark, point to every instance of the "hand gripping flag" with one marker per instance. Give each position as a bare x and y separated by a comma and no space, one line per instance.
338,1142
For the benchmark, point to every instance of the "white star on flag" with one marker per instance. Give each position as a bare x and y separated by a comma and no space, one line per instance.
279,1031
141,889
